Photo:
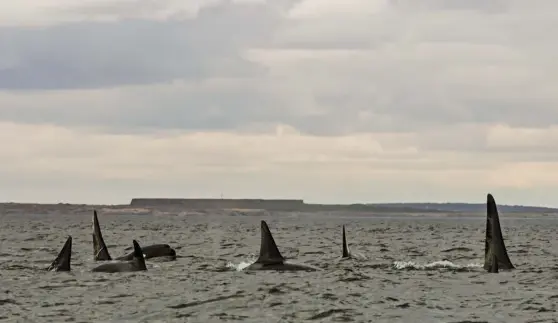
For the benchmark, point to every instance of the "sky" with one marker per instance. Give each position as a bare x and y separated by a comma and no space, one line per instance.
354,101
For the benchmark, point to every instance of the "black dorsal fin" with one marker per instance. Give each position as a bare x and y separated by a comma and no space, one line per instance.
269,253
100,251
494,246
345,246
63,260
138,260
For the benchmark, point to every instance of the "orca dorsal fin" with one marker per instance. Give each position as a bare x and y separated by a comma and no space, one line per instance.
346,253
138,259
62,261
269,253
100,250
494,246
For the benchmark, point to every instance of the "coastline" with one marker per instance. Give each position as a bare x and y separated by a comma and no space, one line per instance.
155,206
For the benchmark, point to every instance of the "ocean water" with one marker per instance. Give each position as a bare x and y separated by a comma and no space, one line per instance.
407,269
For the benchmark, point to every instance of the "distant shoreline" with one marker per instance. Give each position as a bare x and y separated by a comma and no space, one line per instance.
166,205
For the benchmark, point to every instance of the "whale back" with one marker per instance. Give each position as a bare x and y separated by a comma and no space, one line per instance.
152,251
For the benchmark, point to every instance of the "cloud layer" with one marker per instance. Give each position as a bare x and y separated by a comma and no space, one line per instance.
324,100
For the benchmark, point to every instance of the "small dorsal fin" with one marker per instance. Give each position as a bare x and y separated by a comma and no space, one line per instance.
63,260
269,253
138,259
346,253
494,246
100,250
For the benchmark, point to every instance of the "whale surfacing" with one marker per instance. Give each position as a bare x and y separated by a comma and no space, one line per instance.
62,261
271,259
136,264
495,253
100,250
346,253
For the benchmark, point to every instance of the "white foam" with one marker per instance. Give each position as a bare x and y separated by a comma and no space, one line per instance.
240,266
433,265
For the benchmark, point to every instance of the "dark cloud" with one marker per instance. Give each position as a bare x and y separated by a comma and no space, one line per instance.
414,75
192,111
94,55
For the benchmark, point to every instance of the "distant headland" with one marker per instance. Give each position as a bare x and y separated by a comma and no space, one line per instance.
264,206
300,205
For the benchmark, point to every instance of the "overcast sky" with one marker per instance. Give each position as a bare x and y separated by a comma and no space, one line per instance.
326,100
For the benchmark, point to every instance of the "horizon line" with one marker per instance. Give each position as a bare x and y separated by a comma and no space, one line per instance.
271,199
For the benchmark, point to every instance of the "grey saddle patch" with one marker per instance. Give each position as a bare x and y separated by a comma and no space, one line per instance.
494,246
62,261
100,250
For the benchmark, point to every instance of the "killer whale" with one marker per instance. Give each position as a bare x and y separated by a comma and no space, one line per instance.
346,254
152,251
62,261
271,259
100,250
495,253
136,264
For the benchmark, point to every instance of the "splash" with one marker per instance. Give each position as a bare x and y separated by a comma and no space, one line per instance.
240,266
442,264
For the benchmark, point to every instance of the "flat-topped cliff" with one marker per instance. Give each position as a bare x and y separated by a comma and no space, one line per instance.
208,203
264,206
261,204
300,206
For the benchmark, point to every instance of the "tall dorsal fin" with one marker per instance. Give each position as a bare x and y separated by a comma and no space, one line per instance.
62,261
269,253
100,251
345,246
494,246
138,259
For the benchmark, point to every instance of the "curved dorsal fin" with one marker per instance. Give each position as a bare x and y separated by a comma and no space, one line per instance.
269,253
138,259
62,261
345,246
100,251
494,246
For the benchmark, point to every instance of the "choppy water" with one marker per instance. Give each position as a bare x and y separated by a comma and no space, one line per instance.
425,269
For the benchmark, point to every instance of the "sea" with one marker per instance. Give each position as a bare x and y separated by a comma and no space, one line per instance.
405,269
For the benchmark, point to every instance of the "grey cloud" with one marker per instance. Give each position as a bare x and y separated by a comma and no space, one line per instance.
399,86
193,111
494,6
90,55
